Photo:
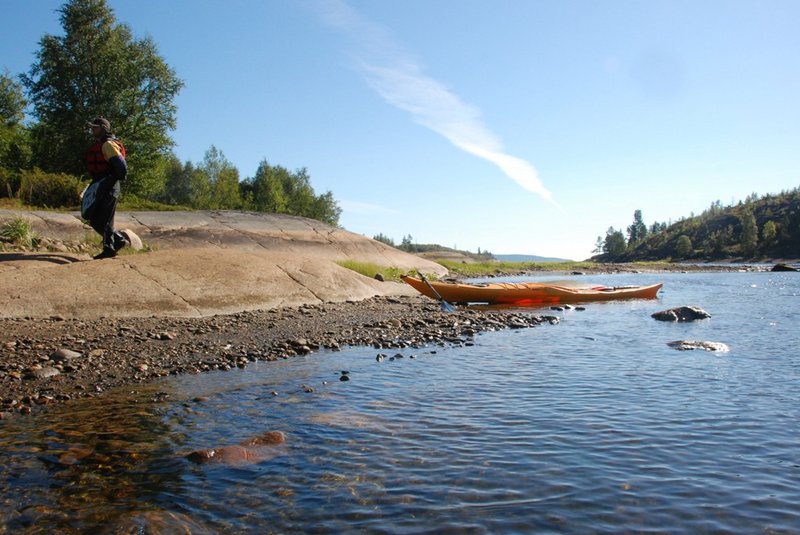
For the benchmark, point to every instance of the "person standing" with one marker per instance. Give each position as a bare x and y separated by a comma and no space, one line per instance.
105,162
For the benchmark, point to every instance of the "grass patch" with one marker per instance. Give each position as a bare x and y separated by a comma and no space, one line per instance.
19,232
368,269
131,251
11,203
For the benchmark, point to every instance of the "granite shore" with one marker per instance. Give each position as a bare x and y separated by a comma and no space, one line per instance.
213,291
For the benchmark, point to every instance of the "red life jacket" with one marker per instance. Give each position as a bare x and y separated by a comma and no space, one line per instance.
96,164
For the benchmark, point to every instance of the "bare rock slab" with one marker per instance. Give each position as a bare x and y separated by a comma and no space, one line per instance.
252,450
684,313
688,345
133,238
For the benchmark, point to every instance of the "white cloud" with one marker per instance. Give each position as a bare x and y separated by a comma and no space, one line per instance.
401,82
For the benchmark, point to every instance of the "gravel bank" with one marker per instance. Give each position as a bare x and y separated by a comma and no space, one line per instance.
57,359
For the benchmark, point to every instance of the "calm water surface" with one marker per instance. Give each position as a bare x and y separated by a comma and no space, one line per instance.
592,425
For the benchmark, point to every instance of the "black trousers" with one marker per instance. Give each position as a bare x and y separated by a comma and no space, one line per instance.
102,220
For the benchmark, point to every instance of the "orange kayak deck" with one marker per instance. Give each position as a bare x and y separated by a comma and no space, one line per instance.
528,293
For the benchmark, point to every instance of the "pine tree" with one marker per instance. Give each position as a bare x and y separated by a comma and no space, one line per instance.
615,242
223,179
749,236
14,146
683,247
637,232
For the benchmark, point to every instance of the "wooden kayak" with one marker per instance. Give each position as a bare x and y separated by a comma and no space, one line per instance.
528,293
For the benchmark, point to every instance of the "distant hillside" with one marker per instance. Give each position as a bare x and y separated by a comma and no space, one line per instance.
527,258
757,229
439,252
434,251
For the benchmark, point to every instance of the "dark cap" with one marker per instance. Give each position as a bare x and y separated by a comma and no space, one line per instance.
101,122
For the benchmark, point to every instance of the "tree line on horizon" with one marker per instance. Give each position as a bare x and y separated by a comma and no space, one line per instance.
97,68
765,227
756,228
408,245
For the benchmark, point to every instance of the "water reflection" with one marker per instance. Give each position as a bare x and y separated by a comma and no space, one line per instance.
594,424
88,464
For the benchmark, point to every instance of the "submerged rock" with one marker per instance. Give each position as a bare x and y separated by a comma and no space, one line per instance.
252,450
688,345
158,523
270,438
684,313
223,454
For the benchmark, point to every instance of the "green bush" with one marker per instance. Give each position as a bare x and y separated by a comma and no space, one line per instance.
9,182
51,190
132,203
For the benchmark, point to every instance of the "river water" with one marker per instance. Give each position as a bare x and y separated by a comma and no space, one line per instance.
592,425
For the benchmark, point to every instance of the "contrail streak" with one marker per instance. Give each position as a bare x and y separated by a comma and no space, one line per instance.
399,80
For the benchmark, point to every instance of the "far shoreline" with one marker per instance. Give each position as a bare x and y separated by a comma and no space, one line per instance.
592,268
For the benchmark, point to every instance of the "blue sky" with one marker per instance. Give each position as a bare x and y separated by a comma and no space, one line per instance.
514,126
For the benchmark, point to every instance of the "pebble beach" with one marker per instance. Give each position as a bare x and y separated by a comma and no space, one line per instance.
58,359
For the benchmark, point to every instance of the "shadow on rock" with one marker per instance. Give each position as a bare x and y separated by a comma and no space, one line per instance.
42,257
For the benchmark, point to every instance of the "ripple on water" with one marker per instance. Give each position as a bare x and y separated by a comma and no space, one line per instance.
590,425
